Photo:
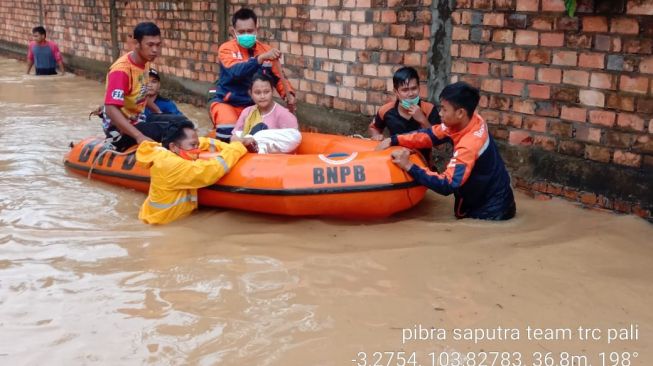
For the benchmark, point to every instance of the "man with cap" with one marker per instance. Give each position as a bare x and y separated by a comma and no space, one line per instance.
157,104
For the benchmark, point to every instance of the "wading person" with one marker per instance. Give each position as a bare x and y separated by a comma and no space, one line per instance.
476,174
43,54
177,173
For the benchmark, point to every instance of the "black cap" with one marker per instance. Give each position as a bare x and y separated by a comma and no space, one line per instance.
155,74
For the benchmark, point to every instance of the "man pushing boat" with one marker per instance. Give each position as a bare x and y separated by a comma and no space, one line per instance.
476,174
177,172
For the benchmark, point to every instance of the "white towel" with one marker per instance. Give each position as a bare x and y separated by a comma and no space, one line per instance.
276,141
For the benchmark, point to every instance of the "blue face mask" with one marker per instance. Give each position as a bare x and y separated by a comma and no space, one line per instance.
246,40
407,103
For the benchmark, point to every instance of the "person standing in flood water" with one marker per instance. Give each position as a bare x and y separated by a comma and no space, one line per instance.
476,174
44,54
126,92
177,173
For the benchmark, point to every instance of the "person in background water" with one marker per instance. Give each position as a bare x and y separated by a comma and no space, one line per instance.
241,58
164,105
407,113
272,126
476,174
43,54
126,92
176,173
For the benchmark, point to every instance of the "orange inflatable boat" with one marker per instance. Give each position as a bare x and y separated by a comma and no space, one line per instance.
328,175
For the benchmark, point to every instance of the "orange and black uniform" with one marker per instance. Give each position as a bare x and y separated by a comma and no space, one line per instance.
389,117
476,174
237,67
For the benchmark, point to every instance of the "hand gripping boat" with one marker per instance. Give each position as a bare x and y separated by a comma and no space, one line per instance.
328,175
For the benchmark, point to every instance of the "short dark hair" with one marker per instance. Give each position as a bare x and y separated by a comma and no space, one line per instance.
176,132
461,95
243,14
403,76
146,29
39,29
262,77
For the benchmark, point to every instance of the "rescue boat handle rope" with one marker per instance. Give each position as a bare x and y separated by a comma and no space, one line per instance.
412,151
359,136
108,147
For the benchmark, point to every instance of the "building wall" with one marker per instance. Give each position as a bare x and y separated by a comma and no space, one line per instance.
17,19
189,30
570,100
578,87
341,54
80,28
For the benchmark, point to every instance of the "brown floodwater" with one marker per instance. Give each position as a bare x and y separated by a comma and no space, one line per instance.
83,282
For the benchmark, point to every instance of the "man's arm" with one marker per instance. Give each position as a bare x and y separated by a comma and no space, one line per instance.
152,106
283,86
201,173
458,170
421,139
377,125
375,133
57,56
30,58
236,68
61,68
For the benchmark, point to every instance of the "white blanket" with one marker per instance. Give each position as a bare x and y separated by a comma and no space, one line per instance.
276,141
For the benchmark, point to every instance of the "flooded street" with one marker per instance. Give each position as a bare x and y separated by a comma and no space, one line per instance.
83,282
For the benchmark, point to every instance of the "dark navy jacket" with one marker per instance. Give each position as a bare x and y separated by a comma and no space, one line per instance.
476,174
237,67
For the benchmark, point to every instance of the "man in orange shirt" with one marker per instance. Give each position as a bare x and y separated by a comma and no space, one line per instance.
126,94
240,59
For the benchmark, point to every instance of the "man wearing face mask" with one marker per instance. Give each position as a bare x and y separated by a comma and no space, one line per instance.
240,59
408,113
176,173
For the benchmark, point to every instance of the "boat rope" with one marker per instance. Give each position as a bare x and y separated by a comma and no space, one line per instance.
409,178
359,136
108,147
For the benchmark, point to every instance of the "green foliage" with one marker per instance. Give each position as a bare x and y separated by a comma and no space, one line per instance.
571,7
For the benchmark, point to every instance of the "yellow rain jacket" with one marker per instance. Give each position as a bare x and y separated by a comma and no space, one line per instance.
174,180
